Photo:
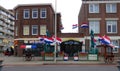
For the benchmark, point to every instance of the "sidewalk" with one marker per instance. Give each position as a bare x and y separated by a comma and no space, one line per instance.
12,60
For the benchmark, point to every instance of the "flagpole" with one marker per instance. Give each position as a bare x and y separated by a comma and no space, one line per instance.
55,30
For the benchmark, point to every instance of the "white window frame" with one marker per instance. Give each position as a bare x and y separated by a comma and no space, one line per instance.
43,10
92,26
43,29
111,8
26,11
26,30
35,27
115,50
93,8
111,23
34,11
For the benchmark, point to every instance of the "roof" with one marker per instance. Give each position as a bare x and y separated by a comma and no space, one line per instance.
35,5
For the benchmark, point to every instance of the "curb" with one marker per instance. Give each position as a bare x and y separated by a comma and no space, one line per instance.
34,64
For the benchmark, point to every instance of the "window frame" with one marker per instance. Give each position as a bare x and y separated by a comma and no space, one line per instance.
24,30
115,50
41,30
33,27
28,12
34,11
93,22
111,8
95,8
110,23
43,10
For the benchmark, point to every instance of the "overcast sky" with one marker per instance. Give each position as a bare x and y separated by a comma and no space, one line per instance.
69,9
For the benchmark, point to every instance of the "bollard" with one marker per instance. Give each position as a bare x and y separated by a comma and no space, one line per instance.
118,66
1,65
76,58
65,58
1,62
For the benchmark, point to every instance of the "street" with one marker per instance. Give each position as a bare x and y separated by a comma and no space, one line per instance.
61,68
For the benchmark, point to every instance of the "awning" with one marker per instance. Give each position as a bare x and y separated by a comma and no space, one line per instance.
28,46
22,46
34,46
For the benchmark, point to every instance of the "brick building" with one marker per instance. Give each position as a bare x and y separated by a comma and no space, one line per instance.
32,21
103,17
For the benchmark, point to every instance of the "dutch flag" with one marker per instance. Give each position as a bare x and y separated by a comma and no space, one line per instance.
48,40
74,26
84,25
58,40
105,40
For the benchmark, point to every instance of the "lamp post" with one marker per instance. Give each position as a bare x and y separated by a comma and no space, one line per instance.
55,30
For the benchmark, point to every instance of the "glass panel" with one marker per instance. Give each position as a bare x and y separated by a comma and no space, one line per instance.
109,28
94,25
26,14
114,28
35,13
26,30
43,30
114,8
34,30
43,13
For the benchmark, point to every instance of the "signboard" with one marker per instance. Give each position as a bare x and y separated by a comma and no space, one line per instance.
92,57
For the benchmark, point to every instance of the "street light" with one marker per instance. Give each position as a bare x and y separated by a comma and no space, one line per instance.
55,30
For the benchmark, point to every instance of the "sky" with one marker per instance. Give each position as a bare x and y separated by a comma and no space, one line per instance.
69,10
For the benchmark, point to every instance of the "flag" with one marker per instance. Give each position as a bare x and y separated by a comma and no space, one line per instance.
41,38
105,40
58,40
84,25
74,26
61,27
48,40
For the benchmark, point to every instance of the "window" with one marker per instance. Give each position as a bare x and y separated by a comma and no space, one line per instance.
95,26
42,29
43,13
16,16
34,13
111,26
93,8
16,31
111,8
34,29
25,30
116,44
26,14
